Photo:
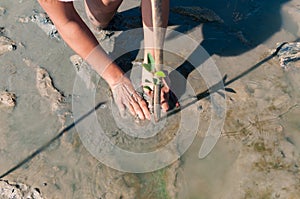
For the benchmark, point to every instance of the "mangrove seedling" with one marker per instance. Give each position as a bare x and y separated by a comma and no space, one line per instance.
156,80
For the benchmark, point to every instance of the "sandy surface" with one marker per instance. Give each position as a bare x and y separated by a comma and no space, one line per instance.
257,155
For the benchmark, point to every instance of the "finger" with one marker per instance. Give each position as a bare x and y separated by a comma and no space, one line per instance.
174,99
131,109
144,108
120,105
164,99
137,109
148,92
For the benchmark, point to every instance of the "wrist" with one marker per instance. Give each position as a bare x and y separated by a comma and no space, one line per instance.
112,75
104,66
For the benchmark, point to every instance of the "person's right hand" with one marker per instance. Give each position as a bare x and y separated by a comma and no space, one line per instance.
167,96
125,96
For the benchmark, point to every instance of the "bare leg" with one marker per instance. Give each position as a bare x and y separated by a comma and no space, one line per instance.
149,42
148,24
100,12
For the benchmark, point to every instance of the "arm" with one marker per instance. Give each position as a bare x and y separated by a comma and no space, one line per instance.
79,37
166,93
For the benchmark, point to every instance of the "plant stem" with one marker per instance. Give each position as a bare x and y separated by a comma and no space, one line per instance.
156,6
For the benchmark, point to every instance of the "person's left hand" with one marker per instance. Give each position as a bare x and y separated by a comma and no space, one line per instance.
125,96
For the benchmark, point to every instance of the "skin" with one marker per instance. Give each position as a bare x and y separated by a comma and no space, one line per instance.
80,38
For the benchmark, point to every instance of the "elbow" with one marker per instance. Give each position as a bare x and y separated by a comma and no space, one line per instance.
62,14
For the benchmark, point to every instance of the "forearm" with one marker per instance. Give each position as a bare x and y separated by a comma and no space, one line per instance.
79,37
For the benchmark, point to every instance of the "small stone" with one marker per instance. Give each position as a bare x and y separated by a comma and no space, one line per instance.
76,60
38,190
7,99
42,20
6,44
18,190
103,106
22,45
23,19
289,55
2,11
2,29
83,70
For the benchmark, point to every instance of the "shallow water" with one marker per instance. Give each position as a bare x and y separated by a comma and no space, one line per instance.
265,107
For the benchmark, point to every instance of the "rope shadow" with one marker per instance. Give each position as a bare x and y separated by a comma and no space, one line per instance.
221,86
46,145
215,88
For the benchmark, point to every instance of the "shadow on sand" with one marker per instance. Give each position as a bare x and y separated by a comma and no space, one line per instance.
247,23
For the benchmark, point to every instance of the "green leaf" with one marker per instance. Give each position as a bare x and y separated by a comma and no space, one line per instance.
153,68
147,87
148,81
160,74
148,67
151,59
155,80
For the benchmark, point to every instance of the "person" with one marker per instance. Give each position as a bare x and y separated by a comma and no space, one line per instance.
80,38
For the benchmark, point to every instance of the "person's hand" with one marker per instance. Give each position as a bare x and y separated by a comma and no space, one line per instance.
125,96
167,97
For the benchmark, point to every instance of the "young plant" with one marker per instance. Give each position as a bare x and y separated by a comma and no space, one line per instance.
157,75
155,82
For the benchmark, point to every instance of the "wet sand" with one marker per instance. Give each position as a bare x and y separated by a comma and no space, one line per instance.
257,155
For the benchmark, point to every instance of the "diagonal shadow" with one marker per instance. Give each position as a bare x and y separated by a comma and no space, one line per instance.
46,145
215,88
246,24
210,32
222,84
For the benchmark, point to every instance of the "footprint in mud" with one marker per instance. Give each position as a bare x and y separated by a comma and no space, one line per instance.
49,92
